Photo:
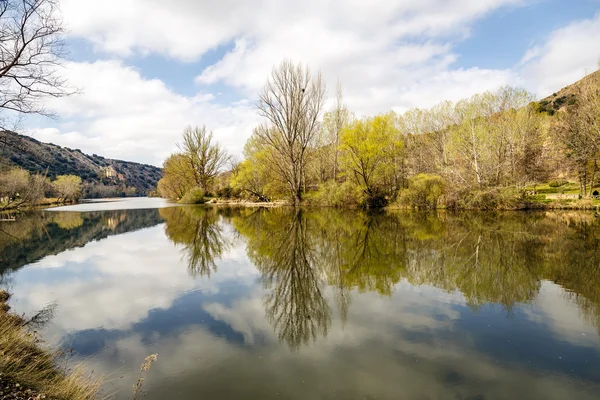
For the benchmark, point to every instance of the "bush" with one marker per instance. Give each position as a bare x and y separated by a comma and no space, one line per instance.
228,193
334,194
194,196
492,199
424,191
557,183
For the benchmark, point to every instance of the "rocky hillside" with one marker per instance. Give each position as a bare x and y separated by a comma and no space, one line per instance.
564,97
121,177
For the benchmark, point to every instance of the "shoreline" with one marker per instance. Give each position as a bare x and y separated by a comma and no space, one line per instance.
585,204
29,370
570,204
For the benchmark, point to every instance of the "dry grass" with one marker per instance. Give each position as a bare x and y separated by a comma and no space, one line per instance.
145,367
24,361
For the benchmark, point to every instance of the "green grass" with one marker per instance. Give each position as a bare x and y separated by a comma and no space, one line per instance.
569,188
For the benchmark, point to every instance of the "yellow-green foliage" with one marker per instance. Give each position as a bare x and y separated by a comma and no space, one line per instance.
178,177
24,361
424,191
369,147
194,196
334,194
67,187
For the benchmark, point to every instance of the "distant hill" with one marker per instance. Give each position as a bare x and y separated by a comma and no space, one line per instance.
101,176
564,97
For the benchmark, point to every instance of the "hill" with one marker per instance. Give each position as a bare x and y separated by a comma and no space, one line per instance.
101,176
564,97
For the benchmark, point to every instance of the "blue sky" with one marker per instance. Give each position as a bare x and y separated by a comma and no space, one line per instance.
147,69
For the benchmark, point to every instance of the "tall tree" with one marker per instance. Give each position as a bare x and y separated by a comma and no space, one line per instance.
205,158
292,101
334,122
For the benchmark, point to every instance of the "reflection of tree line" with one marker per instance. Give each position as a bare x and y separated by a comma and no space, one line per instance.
498,258
38,234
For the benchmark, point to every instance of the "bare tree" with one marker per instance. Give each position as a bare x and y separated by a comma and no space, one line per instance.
205,157
292,101
578,129
31,49
340,117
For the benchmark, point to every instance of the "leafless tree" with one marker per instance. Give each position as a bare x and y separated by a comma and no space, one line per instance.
578,129
291,101
340,117
31,49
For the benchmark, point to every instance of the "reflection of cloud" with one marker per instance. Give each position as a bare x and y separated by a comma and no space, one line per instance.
419,342
554,309
246,316
126,276
400,346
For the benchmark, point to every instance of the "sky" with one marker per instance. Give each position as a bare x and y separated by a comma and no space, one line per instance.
146,69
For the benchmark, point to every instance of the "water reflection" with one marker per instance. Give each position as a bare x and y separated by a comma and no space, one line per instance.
282,248
199,232
35,235
428,305
488,258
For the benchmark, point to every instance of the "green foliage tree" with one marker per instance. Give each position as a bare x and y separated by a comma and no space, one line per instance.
367,147
254,177
19,188
178,177
424,191
67,187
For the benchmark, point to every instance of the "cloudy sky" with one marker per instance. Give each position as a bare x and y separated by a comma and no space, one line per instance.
148,68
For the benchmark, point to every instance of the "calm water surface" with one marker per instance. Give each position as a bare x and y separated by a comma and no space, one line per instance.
249,303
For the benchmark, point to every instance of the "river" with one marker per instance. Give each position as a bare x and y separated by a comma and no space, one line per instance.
255,303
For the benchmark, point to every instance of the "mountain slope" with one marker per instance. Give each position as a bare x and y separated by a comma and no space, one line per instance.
565,96
94,170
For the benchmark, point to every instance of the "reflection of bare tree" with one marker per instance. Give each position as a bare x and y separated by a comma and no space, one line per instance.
199,231
281,249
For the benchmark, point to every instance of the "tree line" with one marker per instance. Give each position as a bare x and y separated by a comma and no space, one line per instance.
487,151
19,188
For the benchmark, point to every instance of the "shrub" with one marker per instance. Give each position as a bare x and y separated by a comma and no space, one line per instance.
334,194
557,183
491,199
424,191
194,196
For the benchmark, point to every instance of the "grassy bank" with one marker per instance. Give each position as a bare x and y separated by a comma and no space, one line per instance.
46,202
30,371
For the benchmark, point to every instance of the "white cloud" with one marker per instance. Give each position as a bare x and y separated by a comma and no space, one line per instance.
387,54
567,55
119,114
127,276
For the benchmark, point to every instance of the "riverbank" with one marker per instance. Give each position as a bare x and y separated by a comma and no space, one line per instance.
47,202
30,371
536,203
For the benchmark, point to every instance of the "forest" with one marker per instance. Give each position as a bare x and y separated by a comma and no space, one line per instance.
494,150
